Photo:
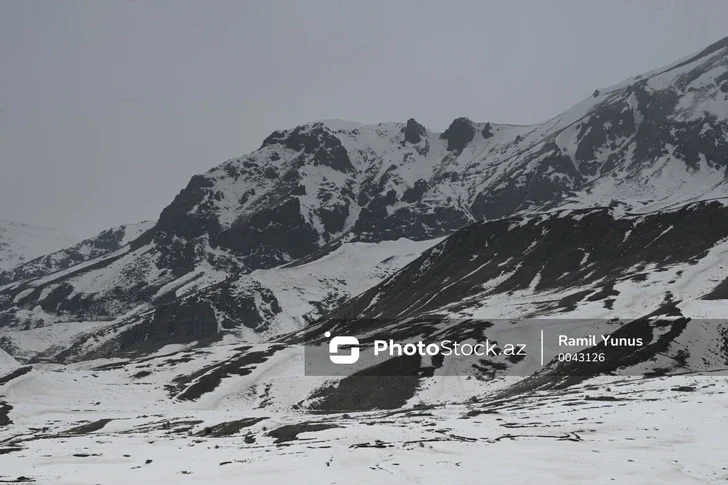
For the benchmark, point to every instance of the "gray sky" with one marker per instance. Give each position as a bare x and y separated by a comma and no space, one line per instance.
107,108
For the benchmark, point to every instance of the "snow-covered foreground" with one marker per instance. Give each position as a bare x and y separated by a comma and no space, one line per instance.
81,426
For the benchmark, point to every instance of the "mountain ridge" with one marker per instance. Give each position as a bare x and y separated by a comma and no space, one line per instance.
21,242
650,142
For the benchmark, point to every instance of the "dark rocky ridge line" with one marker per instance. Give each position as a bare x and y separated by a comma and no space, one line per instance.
587,250
552,246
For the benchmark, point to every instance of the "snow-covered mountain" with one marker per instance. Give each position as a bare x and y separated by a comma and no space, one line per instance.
191,337
22,242
655,140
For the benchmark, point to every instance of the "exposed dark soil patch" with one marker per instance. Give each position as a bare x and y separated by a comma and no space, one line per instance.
388,385
228,428
21,479
171,426
604,398
9,449
208,378
4,414
376,444
21,371
89,427
684,389
113,365
291,431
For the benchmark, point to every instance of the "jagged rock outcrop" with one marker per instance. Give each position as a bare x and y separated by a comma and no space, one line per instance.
460,132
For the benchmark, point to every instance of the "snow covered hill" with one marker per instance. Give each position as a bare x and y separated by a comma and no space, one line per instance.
22,242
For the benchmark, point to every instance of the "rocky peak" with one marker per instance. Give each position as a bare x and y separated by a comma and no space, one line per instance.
487,131
460,132
314,139
413,131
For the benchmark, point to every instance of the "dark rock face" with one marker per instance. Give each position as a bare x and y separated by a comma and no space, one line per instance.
543,186
414,194
317,141
691,139
241,309
487,131
191,215
197,318
414,132
178,219
272,236
594,133
334,218
521,189
181,322
375,223
378,220
200,317
59,296
459,134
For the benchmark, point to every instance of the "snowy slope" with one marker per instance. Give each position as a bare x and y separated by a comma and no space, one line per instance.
52,261
267,302
23,242
590,263
7,363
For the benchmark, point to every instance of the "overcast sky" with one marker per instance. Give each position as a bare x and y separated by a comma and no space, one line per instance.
107,108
